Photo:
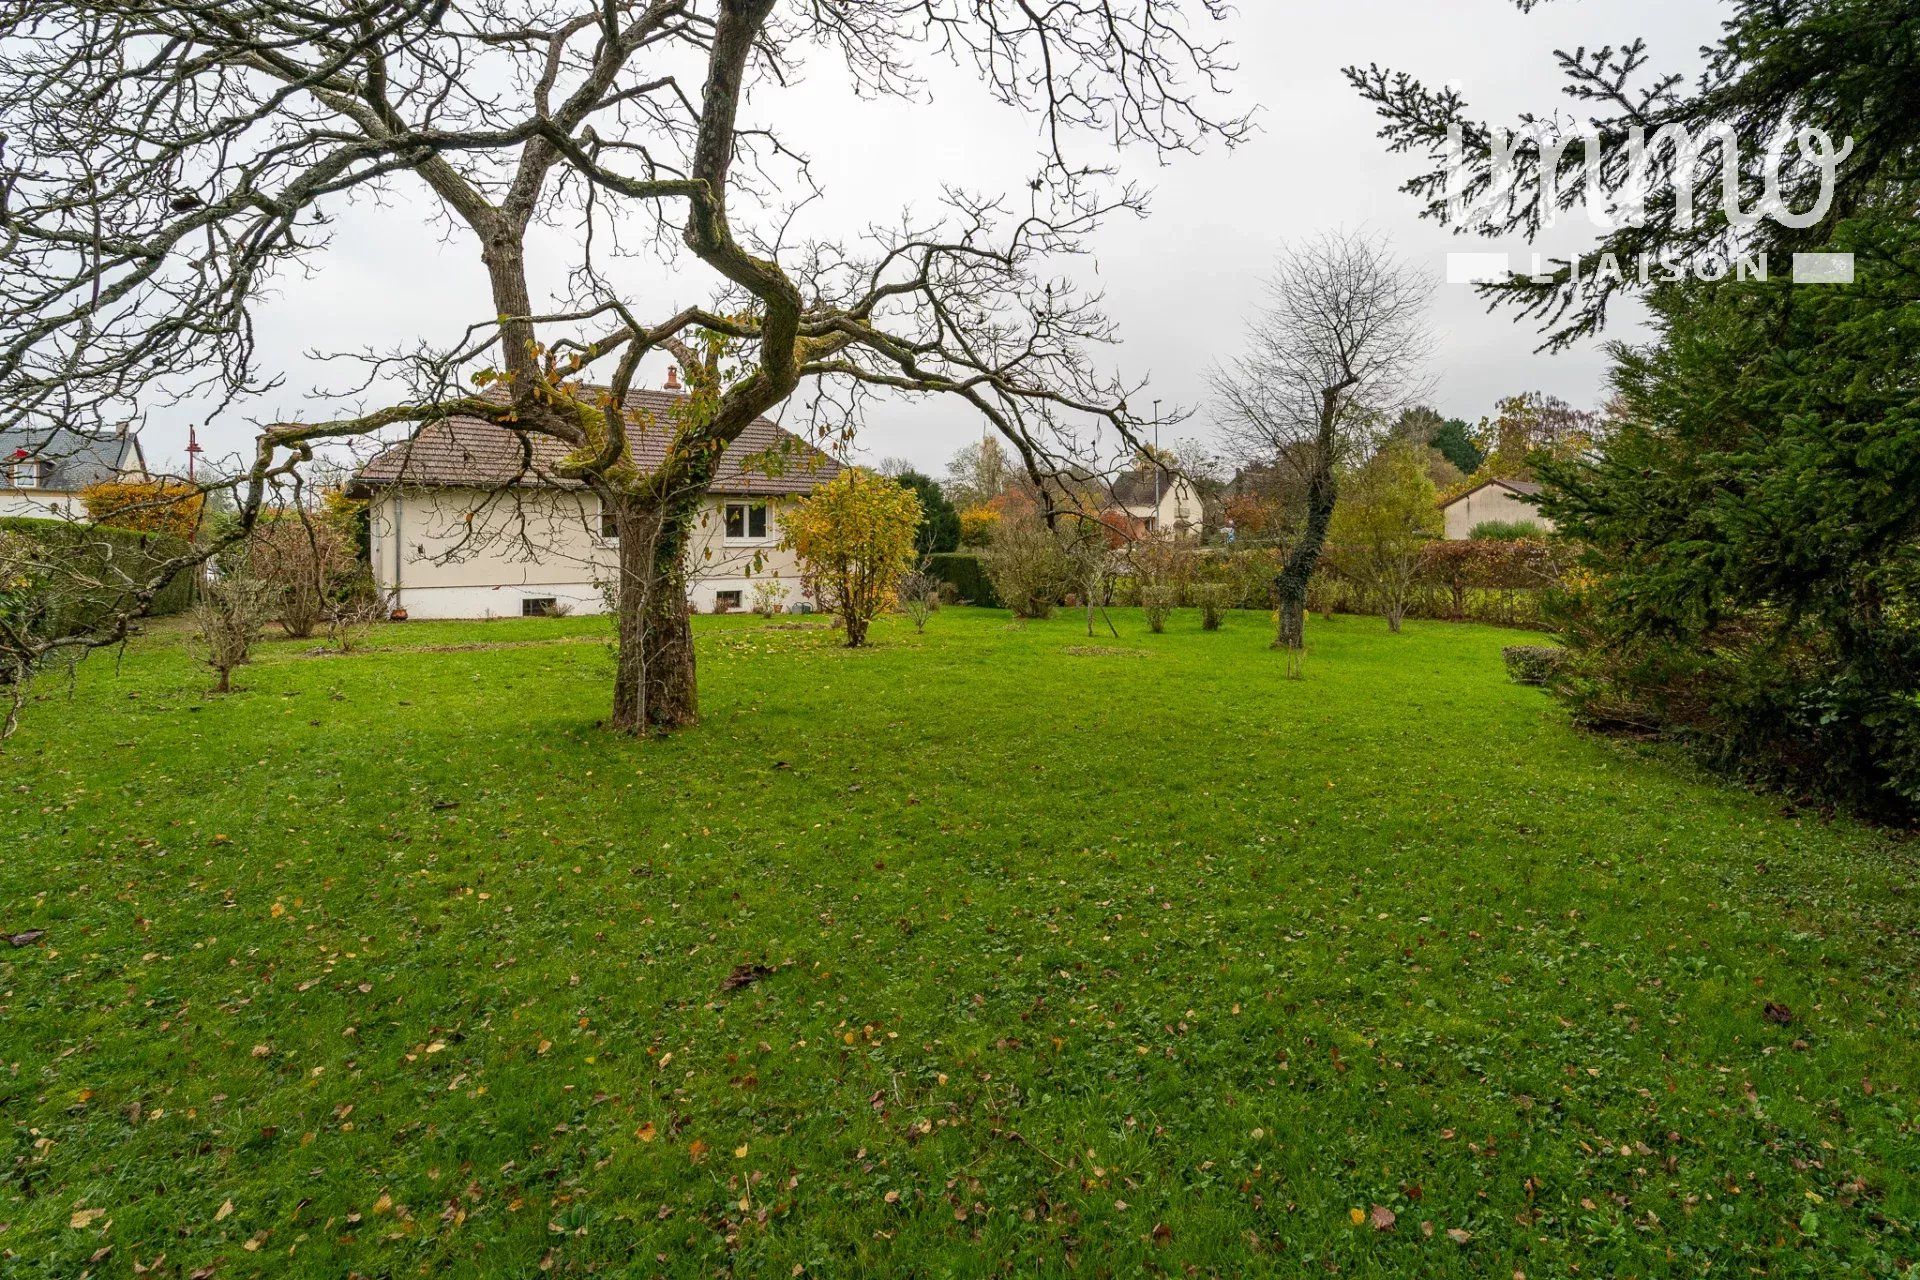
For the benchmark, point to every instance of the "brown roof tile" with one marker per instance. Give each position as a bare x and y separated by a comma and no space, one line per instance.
466,452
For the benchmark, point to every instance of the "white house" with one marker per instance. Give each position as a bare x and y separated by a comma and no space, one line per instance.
468,521
1159,500
42,471
1503,500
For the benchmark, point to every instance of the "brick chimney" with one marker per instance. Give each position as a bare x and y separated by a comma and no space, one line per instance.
673,377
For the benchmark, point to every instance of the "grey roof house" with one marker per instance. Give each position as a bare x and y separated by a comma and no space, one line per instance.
43,470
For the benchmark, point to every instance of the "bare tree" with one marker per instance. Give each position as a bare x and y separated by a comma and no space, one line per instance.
233,608
1330,359
163,162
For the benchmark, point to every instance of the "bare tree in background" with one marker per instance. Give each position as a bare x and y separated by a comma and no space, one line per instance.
1332,356
166,162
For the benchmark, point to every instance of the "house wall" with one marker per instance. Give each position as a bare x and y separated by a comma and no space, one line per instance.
1494,502
1179,511
465,553
44,503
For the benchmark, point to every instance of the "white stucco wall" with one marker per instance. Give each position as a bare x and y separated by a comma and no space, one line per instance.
44,503
463,553
1494,502
1179,511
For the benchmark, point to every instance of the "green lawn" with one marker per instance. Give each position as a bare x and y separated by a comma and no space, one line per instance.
1082,961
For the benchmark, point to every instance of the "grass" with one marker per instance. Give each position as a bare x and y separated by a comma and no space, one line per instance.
1062,956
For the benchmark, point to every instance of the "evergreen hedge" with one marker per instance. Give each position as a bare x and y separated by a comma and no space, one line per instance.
126,556
967,574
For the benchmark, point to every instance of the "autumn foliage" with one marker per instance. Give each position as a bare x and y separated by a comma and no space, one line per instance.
854,537
152,506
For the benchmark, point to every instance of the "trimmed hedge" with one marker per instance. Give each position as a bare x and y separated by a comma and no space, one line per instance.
967,574
126,555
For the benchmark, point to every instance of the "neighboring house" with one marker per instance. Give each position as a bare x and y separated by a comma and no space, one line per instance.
464,525
42,471
1158,500
1505,500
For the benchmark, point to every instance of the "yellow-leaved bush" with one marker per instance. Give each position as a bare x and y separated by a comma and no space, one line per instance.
151,506
854,537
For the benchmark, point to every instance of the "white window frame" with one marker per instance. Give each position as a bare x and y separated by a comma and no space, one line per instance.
26,474
746,538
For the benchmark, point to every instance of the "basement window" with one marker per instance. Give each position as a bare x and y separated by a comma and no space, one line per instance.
726,601
538,606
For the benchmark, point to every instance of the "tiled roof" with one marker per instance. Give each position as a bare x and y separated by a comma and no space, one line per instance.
1525,488
1137,487
472,453
72,459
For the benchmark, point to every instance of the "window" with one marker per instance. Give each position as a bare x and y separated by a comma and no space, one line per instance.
26,475
746,521
609,527
537,607
726,601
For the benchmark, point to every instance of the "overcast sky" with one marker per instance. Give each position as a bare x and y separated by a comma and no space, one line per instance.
1177,284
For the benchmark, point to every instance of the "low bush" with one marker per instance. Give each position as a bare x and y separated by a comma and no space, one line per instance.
1214,599
1533,664
1157,601
769,596
1029,568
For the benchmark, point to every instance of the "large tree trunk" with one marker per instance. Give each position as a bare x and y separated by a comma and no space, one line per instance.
1290,586
654,690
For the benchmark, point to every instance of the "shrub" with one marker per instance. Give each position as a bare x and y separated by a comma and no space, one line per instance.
231,611
151,506
1028,567
977,526
1515,572
768,596
919,597
1157,601
1532,663
308,560
966,575
1507,531
88,574
1214,599
357,604
854,537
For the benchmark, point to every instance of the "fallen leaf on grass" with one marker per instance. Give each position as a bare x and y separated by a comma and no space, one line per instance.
84,1218
646,1132
27,938
1778,1013
220,1214
1382,1218
1458,1236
